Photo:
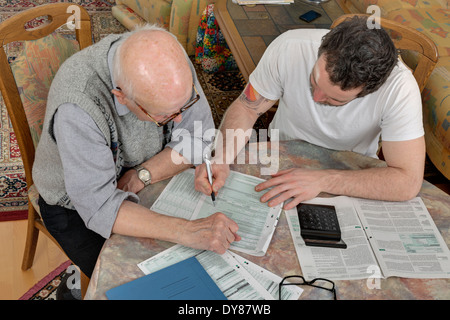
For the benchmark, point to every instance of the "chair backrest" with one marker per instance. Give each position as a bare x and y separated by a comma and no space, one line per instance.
407,38
14,29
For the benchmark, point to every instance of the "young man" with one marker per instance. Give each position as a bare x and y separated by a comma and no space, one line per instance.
112,113
340,89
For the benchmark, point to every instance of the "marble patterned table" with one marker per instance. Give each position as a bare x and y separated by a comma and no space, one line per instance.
117,263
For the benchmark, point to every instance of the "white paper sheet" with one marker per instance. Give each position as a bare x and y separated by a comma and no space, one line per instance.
395,238
238,200
239,279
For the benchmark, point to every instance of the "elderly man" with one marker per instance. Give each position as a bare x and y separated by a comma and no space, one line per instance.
340,89
112,115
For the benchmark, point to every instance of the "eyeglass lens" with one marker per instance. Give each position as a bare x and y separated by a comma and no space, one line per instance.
317,283
184,108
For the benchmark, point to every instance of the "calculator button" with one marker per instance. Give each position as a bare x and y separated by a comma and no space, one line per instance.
318,221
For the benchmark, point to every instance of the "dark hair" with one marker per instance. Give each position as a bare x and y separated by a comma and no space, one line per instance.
358,56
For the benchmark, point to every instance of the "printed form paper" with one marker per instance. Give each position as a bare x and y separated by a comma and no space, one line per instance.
238,278
404,238
333,263
237,199
394,238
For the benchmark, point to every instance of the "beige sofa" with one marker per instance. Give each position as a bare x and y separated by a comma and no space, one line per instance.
180,17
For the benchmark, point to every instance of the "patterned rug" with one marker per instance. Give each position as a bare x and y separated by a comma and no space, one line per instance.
13,192
46,288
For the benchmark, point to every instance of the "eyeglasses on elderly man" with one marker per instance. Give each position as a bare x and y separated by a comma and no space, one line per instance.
194,98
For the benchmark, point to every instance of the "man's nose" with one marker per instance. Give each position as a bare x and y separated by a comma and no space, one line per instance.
319,95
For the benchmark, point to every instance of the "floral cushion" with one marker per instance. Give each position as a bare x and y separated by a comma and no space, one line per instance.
184,19
387,6
34,70
180,17
433,22
126,16
212,51
152,11
179,20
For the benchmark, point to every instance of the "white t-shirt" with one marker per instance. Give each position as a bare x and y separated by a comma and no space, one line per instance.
394,110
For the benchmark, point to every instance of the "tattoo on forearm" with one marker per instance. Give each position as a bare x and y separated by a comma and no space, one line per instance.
251,98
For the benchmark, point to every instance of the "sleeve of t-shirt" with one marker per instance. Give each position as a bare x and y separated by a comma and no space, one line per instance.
89,169
274,71
402,115
266,78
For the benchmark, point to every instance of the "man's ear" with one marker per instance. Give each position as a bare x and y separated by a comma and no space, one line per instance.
121,97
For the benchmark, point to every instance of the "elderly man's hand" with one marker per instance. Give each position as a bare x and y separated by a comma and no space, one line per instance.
130,182
214,233
220,174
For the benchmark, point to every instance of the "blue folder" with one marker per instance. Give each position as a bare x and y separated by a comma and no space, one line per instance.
185,280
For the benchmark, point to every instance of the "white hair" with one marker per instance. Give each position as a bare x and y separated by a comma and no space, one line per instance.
126,84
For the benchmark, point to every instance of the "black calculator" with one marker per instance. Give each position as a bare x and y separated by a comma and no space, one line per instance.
319,225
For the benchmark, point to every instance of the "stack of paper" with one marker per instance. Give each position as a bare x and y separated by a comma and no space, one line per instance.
236,277
182,273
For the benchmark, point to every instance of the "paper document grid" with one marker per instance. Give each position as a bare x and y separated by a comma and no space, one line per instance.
238,278
398,238
237,199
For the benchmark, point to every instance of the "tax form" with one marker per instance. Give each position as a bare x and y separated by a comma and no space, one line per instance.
385,239
237,199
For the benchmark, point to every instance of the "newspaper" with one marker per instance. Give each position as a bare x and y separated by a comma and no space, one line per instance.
383,238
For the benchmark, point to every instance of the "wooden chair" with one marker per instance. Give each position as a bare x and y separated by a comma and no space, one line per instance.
407,38
11,30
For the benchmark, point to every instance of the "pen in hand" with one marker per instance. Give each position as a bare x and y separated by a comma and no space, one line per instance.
209,172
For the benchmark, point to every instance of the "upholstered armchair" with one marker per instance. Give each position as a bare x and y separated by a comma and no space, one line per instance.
180,17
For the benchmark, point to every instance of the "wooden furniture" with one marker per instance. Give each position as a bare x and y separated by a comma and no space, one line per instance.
117,263
249,30
406,38
14,29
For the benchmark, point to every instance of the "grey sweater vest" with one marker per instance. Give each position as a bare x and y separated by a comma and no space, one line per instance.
85,80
